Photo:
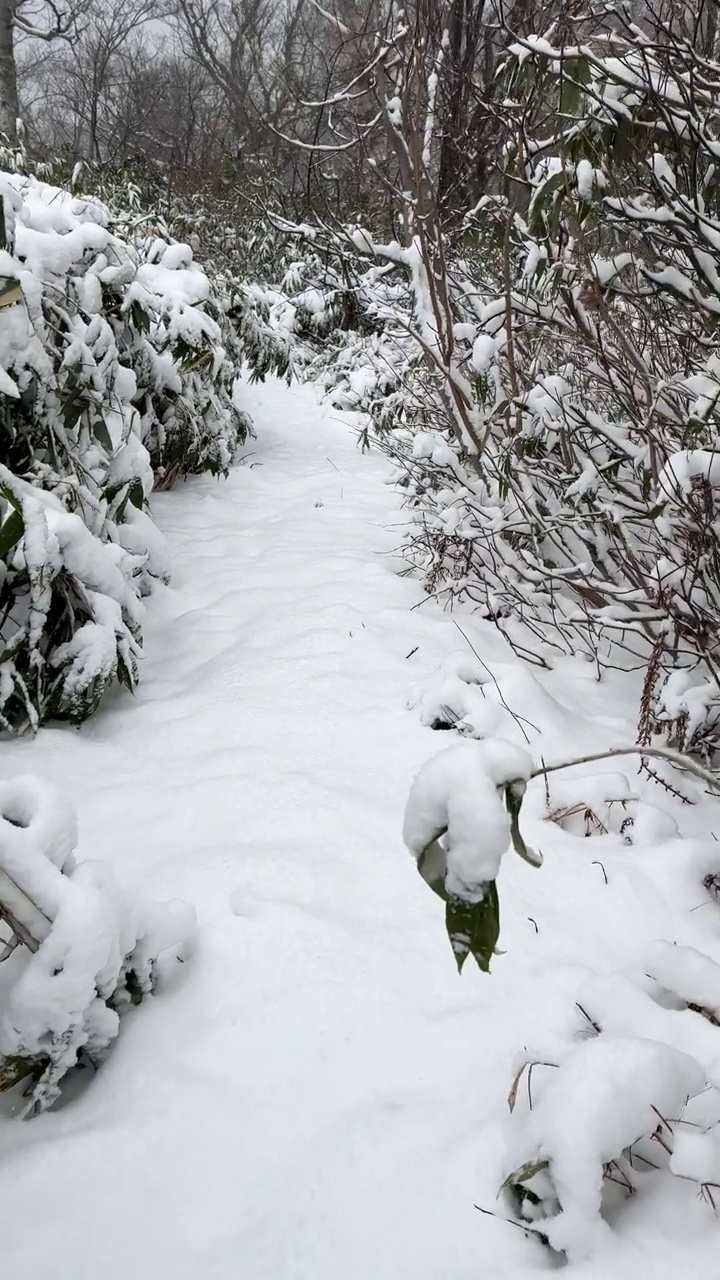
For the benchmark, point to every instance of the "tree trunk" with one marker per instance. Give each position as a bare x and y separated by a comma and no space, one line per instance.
9,104
707,27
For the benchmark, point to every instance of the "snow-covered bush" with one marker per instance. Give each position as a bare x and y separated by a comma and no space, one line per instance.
637,1088
605,1097
243,253
563,402
116,367
296,308
82,948
640,1092
580,511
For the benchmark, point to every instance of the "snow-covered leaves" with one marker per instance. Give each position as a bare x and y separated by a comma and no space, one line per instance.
88,947
118,367
460,818
606,1095
637,1085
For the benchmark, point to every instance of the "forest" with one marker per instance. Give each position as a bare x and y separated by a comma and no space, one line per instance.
472,249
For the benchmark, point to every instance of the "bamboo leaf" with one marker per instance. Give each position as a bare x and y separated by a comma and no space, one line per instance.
543,211
102,435
474,927
14,1069
11,531
10,291
514,794
525,1173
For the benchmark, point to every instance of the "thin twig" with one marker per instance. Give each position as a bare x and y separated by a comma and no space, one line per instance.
676,758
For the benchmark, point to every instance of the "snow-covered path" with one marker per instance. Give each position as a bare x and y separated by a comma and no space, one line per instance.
306,1100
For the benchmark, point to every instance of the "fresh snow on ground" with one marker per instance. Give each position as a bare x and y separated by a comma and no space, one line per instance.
316,1094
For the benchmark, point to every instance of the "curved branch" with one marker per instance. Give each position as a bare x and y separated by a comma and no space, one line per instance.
676,758
326,146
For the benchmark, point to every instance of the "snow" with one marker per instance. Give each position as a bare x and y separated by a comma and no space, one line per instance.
687,972
316,1093
585,179
697,1156
603,1098
485,349
456,794
84,934
620,1006
682,468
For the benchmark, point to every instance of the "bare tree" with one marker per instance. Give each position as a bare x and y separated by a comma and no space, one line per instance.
38,20
85,82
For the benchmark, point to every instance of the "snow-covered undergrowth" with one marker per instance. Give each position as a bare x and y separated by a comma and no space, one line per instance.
77,948
318,1092
556,430
573,498
635,1086
118,362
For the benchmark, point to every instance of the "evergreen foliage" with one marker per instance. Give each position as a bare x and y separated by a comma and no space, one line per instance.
87,949
118,362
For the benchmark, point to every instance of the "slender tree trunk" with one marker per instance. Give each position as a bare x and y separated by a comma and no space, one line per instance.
707,27
9,103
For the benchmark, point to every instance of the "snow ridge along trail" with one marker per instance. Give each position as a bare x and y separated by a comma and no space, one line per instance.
305,1100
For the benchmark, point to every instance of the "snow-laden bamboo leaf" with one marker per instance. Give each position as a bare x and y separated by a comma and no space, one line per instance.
474,927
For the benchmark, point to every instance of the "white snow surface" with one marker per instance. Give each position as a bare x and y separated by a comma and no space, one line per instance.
316,1094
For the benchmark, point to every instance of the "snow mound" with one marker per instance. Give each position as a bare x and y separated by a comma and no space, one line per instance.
92,946
606,1095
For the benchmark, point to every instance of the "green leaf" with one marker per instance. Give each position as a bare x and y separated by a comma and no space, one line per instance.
136,494
125,675
621,144
14,1069
432,865
514,794
139,318
102,435
10,291
474,927
11,531
569,96
525,1173
544,201
583,211
73,407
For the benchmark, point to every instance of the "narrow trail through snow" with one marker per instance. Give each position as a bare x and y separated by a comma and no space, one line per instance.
304,1101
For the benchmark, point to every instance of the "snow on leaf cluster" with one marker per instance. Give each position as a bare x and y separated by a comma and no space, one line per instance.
82,948
117,368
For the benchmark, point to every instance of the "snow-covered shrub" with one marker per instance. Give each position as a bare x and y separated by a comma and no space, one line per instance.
579,510
83,948
637,1087
641,1093
563,403
116,367
296,307
243,253
586,1114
